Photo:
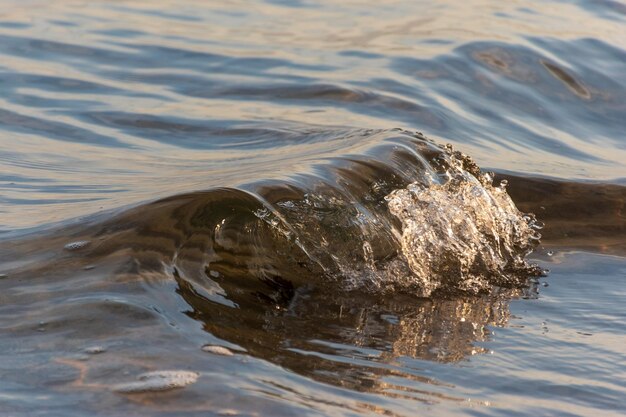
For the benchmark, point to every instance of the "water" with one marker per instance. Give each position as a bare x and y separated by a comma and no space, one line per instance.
222,208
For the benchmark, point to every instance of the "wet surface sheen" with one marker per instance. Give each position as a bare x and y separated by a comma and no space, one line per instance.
191,191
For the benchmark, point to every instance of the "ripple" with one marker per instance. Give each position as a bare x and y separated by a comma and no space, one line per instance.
567,79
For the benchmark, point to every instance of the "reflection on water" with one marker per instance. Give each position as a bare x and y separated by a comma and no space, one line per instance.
308,331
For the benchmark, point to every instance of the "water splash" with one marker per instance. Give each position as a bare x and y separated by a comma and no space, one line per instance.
460,232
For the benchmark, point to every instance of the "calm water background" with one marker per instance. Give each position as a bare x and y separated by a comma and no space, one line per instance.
106,106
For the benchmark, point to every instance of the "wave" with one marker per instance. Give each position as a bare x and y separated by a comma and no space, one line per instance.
412,216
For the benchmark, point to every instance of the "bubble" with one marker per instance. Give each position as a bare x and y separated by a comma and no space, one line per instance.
158,381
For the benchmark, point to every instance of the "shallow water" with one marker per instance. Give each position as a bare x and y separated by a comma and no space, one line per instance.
195,218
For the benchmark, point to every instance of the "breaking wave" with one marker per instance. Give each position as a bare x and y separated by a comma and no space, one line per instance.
407,215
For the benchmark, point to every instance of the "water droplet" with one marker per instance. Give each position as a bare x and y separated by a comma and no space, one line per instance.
550,253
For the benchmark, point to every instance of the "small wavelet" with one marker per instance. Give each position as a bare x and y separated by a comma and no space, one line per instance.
567,79
217,350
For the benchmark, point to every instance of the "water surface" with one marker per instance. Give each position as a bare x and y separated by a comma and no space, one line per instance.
193,217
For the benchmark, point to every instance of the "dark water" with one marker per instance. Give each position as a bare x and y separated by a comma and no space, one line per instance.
221,208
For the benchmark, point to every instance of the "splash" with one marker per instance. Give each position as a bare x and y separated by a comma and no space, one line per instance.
460,232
